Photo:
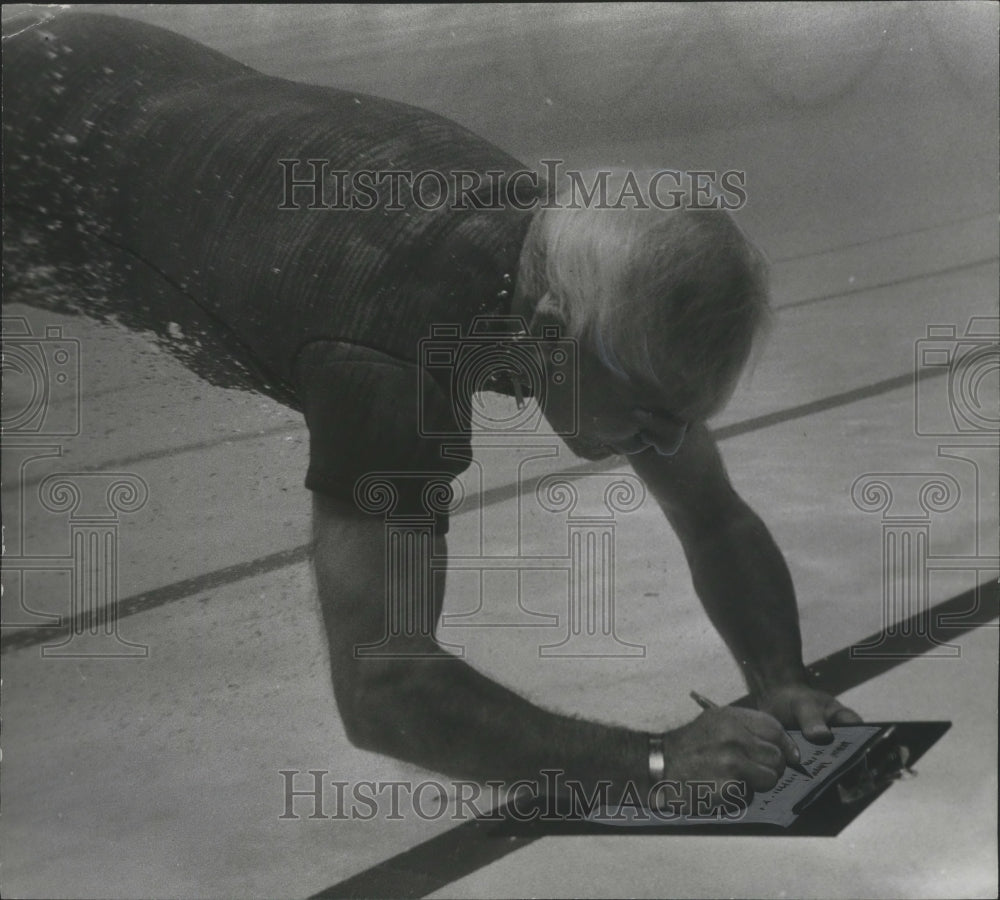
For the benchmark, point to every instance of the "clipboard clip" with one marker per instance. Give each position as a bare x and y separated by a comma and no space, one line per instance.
885,761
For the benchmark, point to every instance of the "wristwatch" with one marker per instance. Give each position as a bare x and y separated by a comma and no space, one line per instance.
657,762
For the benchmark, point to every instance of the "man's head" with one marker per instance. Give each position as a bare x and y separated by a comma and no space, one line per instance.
665,306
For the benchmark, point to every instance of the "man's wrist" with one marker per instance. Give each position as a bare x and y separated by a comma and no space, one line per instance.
774,679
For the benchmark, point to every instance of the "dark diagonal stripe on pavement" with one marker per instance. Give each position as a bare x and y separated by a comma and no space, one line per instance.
895,282
179,590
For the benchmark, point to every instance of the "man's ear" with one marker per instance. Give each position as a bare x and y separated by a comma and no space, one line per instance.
547,312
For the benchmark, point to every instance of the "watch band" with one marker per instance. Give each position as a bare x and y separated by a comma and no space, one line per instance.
657,762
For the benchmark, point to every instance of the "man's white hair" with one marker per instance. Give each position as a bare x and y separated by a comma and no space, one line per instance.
669,297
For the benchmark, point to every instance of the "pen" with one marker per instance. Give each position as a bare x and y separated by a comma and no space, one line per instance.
705,703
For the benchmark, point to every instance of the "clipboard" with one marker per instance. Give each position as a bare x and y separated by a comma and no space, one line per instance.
887,755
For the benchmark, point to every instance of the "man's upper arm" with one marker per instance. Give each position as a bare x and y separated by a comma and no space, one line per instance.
350,561
365,421
362,611
692,486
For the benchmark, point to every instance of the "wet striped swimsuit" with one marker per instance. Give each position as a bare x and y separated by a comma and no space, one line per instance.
143,169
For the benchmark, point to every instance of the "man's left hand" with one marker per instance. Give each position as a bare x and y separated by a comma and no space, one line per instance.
811,711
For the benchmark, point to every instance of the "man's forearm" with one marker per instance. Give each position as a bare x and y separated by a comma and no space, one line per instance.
744,584
443,714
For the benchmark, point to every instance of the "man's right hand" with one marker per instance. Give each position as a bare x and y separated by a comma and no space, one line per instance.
729,744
